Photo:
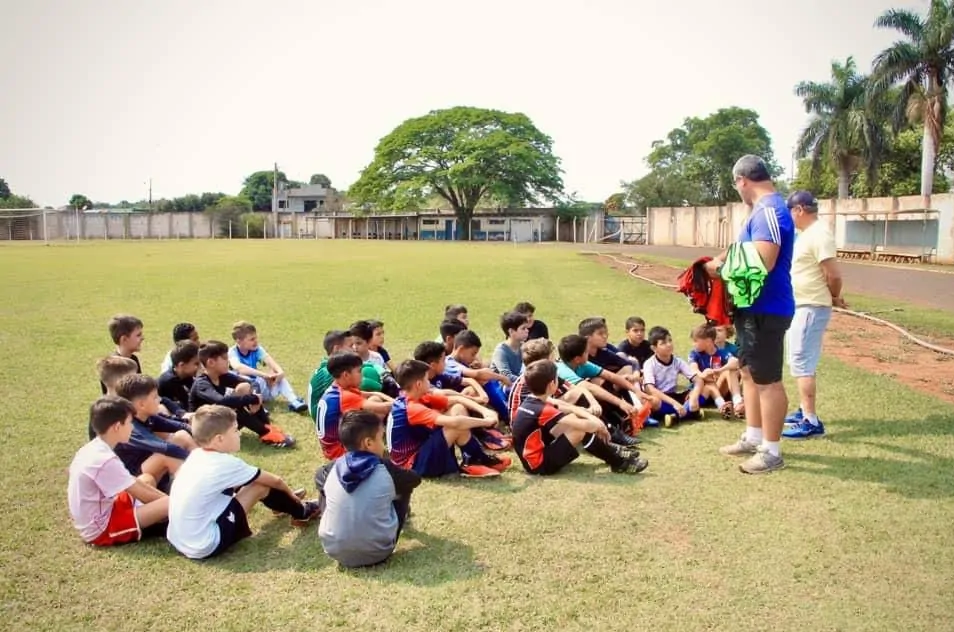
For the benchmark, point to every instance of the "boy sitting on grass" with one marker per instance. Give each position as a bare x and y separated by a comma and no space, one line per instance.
448,331
604,355
713,364
424,430
661,377
220,386
376,377
108,505
341,397
463,360
377,344
176,383
126,332
365,498
111,369
180,333
506,359
248,358
547,431
535,328
635,346
580,394
335,341
214,490
157,445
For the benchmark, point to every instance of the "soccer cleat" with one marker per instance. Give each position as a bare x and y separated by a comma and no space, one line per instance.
623,439
762,462
726,410
638,420
298,406
632,465
312,511
275,437
670,420
299,494
494,440
626,452
477,471
804,430
499,463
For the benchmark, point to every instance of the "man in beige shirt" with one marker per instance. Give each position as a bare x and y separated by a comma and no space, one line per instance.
816,281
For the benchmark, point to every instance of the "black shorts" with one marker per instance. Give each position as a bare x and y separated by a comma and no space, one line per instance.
556,456
233,526
761,341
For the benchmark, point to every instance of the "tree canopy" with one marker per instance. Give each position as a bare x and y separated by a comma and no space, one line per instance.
693,165
80,201
463,154
4,189
258,188
320,178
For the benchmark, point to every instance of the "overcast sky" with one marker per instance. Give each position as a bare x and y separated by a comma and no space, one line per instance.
100,95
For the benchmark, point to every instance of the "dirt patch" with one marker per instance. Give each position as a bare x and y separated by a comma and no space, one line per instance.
852,340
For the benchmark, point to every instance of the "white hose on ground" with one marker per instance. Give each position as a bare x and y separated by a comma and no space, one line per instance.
672,286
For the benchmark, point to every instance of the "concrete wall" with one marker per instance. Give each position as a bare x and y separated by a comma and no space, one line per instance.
912,225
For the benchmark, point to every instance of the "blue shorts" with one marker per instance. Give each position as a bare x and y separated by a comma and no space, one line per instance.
805,339
435,458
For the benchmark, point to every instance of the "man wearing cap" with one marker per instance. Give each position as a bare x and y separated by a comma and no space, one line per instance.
816,280
761,328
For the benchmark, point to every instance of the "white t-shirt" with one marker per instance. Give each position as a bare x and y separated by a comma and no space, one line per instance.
812,246
377,359
97,476
665,377
166,363
200,492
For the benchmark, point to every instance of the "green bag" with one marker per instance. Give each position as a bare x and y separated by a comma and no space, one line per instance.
744,274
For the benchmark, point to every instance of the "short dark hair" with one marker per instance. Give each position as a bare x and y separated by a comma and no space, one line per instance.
429,351
572,346
357,425
752,168
342,362
109,410
362,329
467,339
123,325
658,334
703,331
512,320
451,327
185,351
539,375
135,386
409,372
375,324
334,338
182,331
525,308
589,326
212,350
452,311
633,321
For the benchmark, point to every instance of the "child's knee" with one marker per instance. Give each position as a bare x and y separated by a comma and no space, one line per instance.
457,409
243,389
183,439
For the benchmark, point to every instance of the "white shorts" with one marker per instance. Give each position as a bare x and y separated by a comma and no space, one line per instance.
805,339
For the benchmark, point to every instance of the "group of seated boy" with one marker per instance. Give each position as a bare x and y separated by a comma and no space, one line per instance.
161,457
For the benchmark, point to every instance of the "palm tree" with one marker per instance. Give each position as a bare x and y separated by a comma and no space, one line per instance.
923,64
846,127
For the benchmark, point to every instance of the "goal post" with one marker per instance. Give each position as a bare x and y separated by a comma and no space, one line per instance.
24,224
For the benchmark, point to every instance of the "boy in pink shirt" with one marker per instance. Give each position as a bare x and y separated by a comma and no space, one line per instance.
108,505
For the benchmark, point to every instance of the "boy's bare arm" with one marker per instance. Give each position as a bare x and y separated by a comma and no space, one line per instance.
274,366
464,422
572,409
474,384
376,407
144,493
585,424
662,396
620,382
472,406
274,482
378,397
604,395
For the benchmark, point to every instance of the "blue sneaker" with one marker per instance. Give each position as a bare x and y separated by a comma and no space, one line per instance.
651,422
796,417
804,430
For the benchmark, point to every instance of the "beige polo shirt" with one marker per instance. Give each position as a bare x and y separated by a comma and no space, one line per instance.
812,246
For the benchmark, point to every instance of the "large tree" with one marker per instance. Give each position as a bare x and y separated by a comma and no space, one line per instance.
462,154
4,189
230,209
694,164
80,201
258,188
320,178
846,128
923,64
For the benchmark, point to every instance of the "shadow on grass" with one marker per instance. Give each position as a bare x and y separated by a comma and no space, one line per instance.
909,472
422,559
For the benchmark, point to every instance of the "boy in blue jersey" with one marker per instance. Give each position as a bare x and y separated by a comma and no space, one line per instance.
463,359
424,430
250,359
713,364
341,397
761,328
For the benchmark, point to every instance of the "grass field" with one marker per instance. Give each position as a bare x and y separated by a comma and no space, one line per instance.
854,535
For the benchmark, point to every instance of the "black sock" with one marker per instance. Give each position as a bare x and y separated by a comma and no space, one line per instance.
256,422
278,500
601,450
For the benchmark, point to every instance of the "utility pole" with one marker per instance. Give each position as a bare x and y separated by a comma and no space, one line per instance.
275,199
150,195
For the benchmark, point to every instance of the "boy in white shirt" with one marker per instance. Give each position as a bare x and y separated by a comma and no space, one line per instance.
661,378
213,491
108,505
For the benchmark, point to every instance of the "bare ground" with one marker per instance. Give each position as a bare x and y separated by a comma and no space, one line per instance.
855,341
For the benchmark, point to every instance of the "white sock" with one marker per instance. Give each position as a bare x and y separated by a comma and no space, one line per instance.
812,419
753,435
773,447
719,402
737,400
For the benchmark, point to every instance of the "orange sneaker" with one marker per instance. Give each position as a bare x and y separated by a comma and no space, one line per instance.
478,471
638,420
499,463
277,438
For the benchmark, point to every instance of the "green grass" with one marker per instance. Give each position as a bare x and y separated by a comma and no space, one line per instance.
854,535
